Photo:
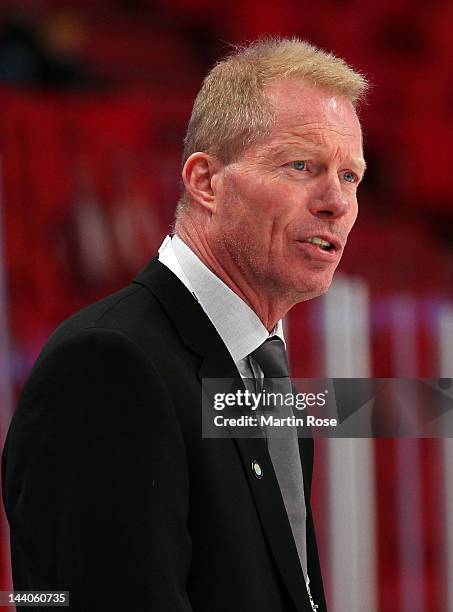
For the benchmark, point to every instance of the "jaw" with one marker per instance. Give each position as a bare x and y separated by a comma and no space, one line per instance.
303,277
284,288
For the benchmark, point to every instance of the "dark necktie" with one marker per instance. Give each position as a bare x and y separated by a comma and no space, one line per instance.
282,442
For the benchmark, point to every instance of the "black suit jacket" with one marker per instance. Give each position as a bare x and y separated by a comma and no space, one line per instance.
112,493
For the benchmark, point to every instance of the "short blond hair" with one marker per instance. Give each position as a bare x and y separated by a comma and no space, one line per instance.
231,110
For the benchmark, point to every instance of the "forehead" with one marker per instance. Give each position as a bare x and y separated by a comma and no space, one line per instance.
313,115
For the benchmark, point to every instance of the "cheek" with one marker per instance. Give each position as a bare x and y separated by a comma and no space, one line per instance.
353,215
262,195
256,211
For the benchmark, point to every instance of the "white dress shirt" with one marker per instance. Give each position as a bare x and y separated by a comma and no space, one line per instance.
237,324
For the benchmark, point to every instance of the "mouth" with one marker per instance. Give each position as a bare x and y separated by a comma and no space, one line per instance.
326,242
324,247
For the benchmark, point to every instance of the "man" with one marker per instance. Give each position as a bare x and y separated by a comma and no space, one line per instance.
111,491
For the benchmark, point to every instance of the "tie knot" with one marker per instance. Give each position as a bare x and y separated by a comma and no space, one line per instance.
272,358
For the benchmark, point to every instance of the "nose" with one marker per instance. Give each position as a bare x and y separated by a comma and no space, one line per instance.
329,199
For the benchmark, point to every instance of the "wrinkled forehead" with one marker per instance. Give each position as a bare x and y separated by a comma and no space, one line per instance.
299,105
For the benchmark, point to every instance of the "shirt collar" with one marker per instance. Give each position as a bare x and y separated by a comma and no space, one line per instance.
237,324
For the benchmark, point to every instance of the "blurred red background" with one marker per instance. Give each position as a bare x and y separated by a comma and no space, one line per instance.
95,96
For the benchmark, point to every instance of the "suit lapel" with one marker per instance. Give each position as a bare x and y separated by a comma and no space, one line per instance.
198,334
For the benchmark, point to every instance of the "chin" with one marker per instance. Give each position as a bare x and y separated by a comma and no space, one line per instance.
309,289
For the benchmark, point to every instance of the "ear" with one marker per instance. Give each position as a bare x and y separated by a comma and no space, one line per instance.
200,174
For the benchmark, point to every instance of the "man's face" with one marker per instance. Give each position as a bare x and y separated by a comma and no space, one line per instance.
290,190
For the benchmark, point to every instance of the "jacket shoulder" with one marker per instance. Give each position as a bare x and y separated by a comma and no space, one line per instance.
131,314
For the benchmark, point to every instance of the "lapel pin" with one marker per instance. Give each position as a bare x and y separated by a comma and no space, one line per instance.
256,469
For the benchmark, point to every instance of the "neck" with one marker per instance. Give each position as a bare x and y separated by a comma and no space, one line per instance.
268,306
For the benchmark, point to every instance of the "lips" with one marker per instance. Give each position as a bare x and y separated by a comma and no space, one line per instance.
325,242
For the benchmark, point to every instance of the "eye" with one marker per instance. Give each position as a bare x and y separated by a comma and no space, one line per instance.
298,165
350,177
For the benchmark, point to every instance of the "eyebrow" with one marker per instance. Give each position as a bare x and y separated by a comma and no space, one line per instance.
309,148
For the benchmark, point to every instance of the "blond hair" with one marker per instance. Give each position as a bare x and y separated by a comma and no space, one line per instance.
231,110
